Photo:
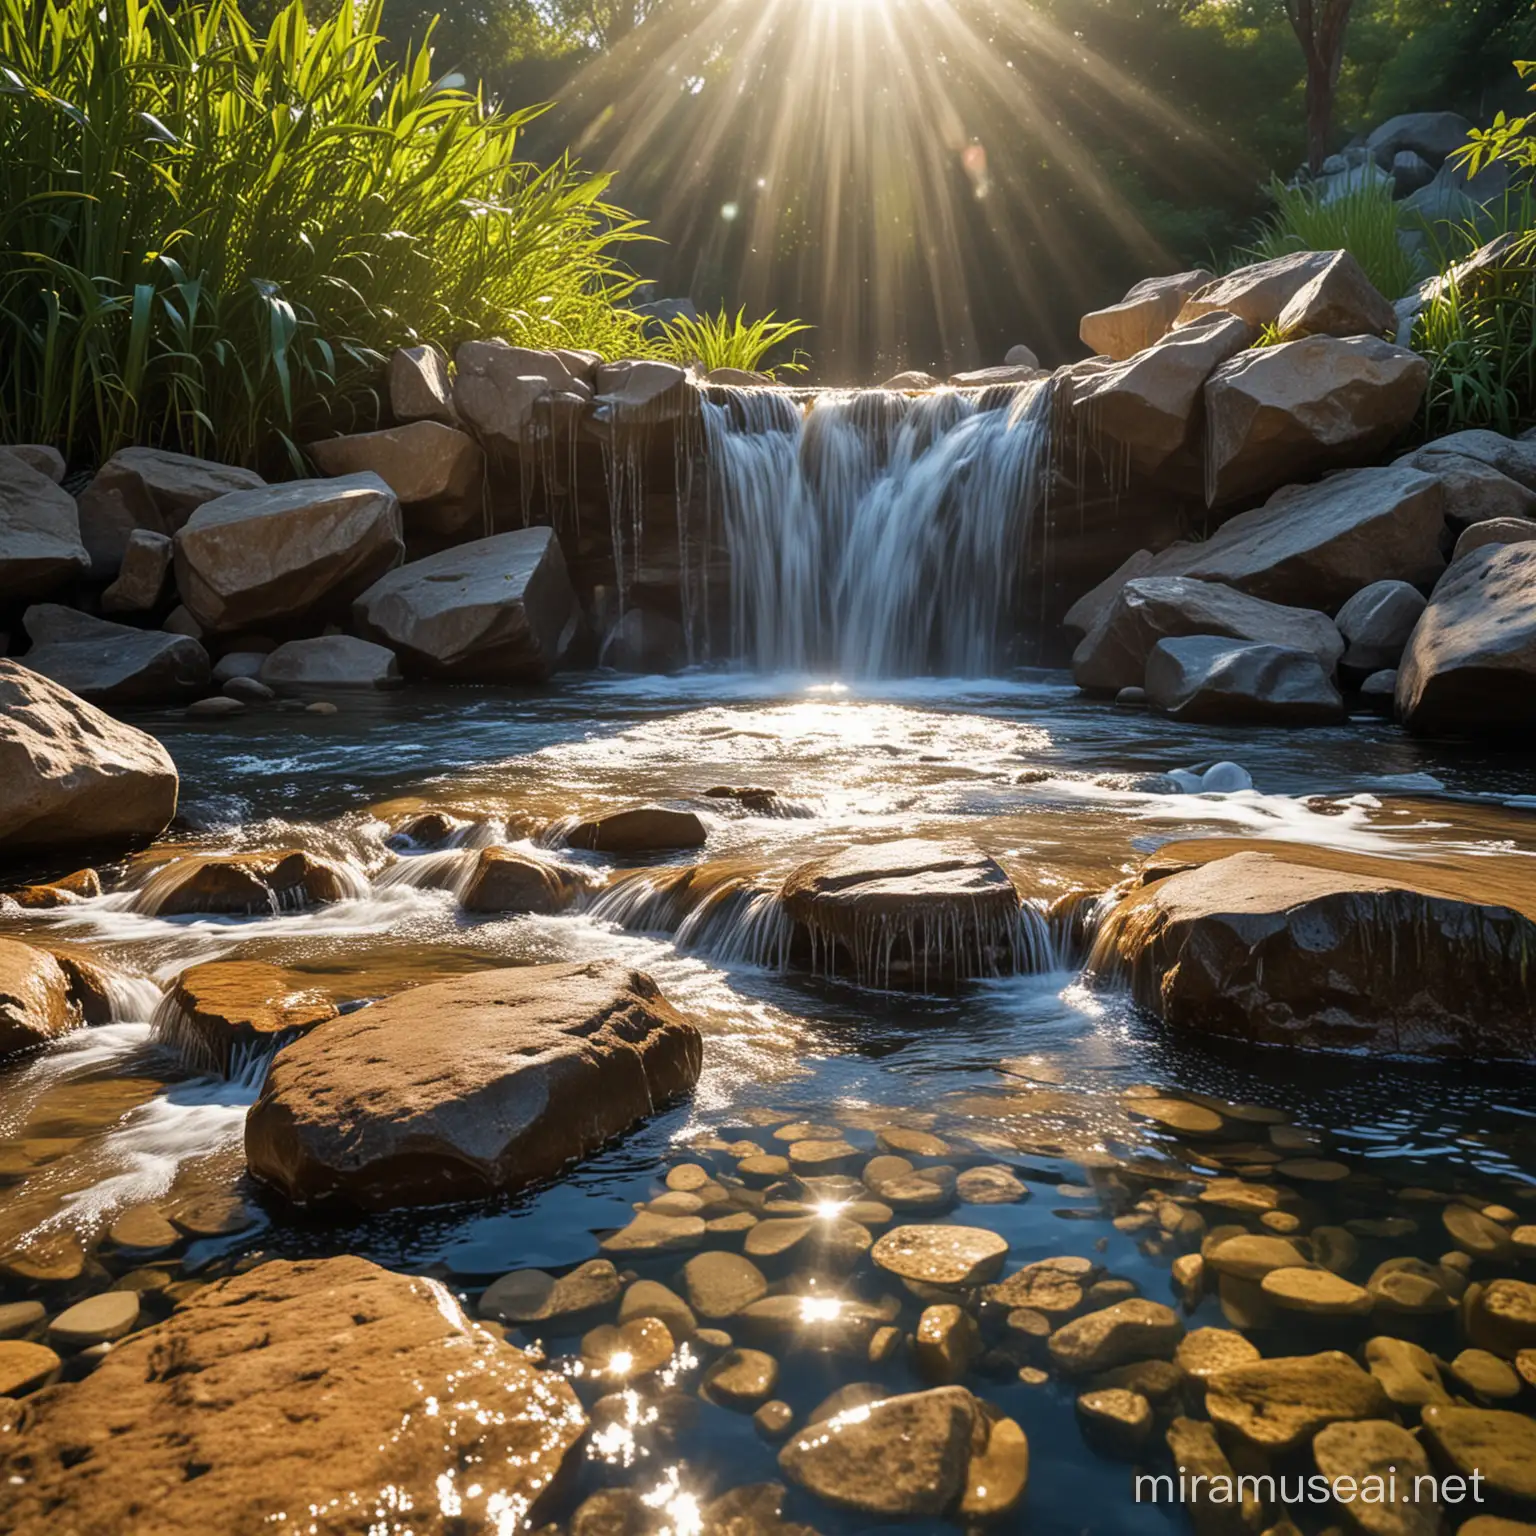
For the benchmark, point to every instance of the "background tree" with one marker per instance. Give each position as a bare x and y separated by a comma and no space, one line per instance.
1320,26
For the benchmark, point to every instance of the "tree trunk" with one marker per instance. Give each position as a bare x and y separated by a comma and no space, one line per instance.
1320,26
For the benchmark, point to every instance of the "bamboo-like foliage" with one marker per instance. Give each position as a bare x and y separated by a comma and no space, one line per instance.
727,341
209,238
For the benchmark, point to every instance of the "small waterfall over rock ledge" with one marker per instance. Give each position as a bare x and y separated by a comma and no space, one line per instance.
876,533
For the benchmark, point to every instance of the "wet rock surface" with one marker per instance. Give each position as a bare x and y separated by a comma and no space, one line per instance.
296,1387
523,1071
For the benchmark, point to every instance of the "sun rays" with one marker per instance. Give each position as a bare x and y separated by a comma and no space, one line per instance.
850,151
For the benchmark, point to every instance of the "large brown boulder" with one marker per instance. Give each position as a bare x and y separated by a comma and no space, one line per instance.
1210,680
40,548
108,663
1114,653
72,777
1279,414
1285,947
522,1071
639,829
286,552
1150,405
35,1001
149,488
1338,300
436,471
1257,293
511,395
1470,665
1144,316
494,610
313,1395
220,1015
504,880
1315,546
909,913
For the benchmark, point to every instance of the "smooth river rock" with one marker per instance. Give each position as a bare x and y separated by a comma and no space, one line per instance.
275,880
495,610
73,777
35,1000
299,1392
286,552
907,913
1276,1405
222,1012
1113,655
1207,680
328,662
523,1070
106,663
1470,666
1284,946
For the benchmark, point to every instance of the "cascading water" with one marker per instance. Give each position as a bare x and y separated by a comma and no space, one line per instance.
876,533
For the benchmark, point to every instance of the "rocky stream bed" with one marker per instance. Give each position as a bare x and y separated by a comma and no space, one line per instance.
727,1104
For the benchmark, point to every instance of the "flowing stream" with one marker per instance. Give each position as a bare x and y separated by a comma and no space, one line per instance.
1028,1069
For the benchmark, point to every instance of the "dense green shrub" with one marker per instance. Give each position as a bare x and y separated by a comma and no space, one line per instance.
210,237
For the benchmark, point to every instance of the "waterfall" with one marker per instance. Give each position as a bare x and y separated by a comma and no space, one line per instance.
875,533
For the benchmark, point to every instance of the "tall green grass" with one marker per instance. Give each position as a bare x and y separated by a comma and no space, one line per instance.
726,341
1365,222
210,238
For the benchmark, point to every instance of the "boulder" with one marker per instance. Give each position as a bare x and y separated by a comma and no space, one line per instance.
419,389
149,488
1118,1335
1284,946
299,1392
140,583
286,552
1409,171
35,1000
643,641
1278,1405
1470,667
1376,623
496,610
1153,608
225,1014
523,1070
1092,605
1496,530
1511,456
1315,546
274,880
1456,198
499,390
108,663
1144,316
43,457
72,777
504,880
1257,293
1151,404
912,379
1338,300
1020,356
908,913
643,829
1278,414
641,392
437,472
1211,680
1433,135
329,662
40,547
